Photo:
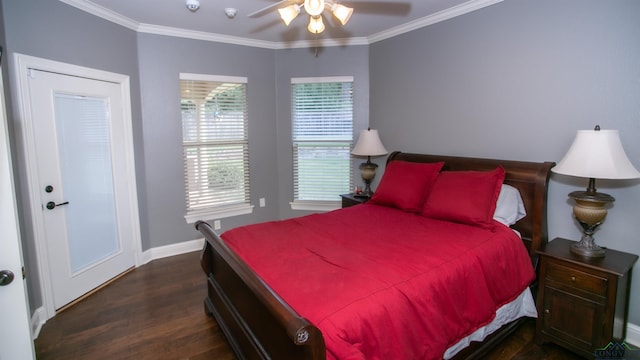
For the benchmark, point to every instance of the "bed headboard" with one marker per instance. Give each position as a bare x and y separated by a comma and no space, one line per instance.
530,178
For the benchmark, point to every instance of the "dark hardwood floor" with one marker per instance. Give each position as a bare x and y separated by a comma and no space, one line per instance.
156,312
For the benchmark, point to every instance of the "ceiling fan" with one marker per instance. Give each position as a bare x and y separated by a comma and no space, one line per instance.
290,9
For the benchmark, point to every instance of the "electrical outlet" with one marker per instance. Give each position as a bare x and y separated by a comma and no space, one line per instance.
216,225
263,203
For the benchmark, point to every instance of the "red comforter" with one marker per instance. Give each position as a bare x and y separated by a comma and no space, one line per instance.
381,283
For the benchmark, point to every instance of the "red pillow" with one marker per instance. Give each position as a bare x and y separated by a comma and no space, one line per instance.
467,197
405,184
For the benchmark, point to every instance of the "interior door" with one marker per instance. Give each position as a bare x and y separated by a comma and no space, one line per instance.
83,185
15,333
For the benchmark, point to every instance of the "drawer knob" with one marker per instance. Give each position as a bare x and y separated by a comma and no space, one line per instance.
547,311
573,278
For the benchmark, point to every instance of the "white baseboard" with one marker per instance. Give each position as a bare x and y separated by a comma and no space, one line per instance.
37,320
633,335
39,317
171,250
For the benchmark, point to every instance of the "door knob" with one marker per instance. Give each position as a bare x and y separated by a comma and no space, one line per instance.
6,277
51,205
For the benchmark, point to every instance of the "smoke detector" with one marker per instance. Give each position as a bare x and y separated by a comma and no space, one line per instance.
231,12
193,5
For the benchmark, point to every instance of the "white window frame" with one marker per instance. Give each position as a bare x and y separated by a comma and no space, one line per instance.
321,205
226,210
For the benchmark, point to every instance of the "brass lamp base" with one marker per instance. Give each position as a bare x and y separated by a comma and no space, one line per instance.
586,247
590,210
368,173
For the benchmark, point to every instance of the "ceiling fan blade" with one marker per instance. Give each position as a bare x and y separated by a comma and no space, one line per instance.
264,10
379,7
272,23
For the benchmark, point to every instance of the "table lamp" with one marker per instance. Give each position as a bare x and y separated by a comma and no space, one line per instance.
368,145
594,154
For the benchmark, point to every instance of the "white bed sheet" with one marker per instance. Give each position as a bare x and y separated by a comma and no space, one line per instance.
523,305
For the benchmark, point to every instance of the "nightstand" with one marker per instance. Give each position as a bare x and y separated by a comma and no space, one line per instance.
582,303
351,199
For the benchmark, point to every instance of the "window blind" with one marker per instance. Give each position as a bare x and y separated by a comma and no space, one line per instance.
215,142
322,133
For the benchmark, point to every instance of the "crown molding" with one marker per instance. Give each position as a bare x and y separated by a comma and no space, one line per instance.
322,43
440,16
109,15
202,35
104,13
235,40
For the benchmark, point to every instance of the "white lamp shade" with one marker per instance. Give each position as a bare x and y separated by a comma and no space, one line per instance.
369,144
342,13
289,13
597,154
316,26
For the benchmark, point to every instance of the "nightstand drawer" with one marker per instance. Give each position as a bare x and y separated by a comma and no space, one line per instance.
577,279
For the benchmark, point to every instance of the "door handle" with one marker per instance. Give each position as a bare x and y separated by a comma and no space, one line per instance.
6,277
51,205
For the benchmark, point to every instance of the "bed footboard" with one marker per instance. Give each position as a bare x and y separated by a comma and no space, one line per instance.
257,323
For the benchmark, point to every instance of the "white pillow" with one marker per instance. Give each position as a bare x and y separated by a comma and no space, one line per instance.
509,207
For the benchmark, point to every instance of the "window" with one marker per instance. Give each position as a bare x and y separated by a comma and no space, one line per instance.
215,146
322,133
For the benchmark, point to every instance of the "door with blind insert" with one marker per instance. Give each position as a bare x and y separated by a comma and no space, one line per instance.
78,128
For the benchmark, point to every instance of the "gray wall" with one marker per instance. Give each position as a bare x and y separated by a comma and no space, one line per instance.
516,80
162,59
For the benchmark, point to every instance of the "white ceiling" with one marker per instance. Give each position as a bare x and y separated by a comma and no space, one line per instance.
371,20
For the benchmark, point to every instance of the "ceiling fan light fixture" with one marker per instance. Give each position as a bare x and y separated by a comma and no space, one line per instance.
316,26
314,7
289,13
342,13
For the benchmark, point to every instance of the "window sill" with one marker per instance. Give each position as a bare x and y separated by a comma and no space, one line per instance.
315,205
218,213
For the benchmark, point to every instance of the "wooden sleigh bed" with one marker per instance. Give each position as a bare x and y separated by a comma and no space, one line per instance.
259,324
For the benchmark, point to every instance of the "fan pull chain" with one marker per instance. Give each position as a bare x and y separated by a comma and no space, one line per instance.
317,40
